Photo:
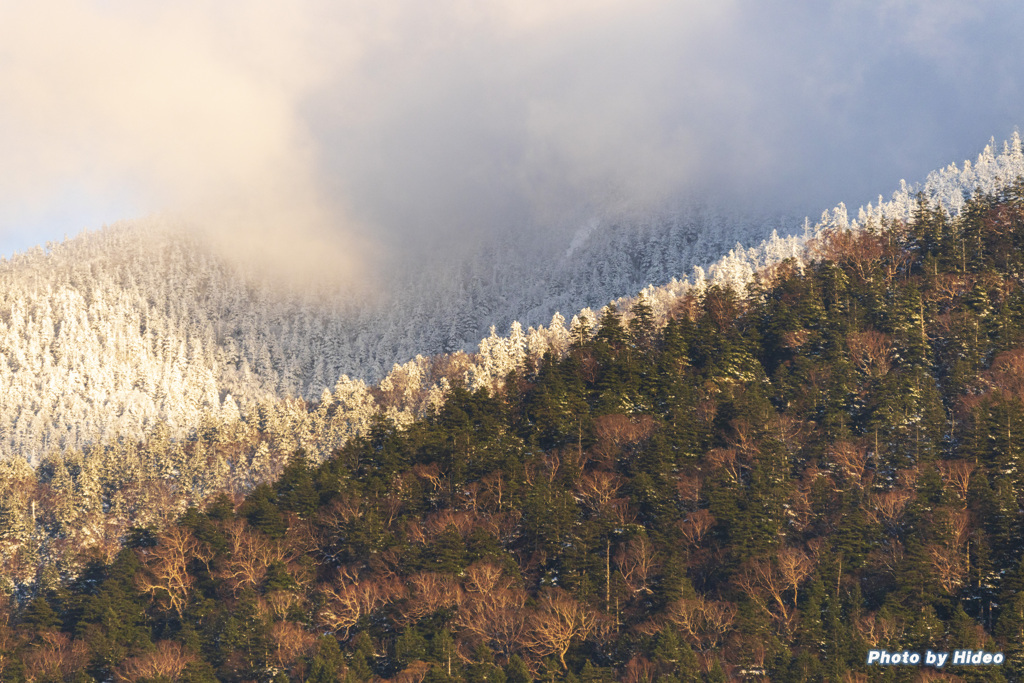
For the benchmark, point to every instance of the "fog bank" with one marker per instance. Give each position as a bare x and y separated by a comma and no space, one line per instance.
320,138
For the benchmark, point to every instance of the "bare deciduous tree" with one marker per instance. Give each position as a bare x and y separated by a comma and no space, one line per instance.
850,460
890,556
706,411
250,554
414,673
860,249
428,592
871,352
639,669
718,620
725,459
55,657
483,578
801,509
696,526
558,621
463,521
431,474
888,507
637,563
621,513
795,566
949,567
9,639
795,339
703,622
496,489
791,431
959,527
947,287
167,577
279,603
598,488
880,630
1007,373
348,599
167,662
289,641
744,439
617,432
491,608
688,487
957,475
764,584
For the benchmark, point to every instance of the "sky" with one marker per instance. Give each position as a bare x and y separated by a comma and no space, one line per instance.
322,134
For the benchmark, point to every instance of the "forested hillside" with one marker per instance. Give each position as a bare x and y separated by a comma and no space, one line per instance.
139,329
758,484
111,332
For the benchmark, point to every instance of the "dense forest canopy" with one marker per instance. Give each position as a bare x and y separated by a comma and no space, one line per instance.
755,485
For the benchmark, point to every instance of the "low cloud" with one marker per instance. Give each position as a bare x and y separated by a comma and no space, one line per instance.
318,136
190,109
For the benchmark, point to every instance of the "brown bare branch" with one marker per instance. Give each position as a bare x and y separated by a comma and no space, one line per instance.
598,488
557,623
167,577
949,567
696,526
637,563
703,622
871,352
888,507
850,460
167,662
957,475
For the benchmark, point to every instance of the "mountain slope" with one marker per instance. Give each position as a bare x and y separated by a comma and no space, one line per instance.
768,484
110,333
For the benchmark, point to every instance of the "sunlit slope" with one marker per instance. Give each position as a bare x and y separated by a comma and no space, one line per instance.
108,333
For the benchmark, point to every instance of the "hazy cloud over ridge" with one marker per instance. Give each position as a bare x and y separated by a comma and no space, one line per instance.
317,132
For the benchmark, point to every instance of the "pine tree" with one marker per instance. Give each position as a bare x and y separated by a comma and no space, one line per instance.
516,671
